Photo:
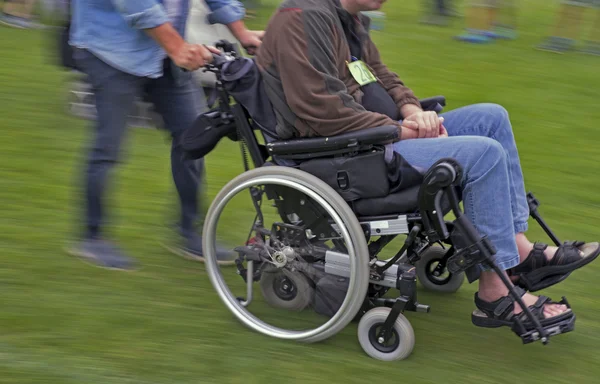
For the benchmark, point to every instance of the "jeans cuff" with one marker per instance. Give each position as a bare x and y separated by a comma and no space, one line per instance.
521,227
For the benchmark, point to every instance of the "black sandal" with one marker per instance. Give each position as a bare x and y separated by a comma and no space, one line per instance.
536,272
500,313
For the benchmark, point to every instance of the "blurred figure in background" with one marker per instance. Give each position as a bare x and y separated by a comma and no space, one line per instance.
592,45
127,48
567,29
18,13
438,12
487,20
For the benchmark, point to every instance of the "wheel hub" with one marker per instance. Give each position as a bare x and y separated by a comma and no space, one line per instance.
379,343
281,257
284,288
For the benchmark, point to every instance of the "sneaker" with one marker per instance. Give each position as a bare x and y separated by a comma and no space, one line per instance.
556,45
101,253
13,21
190,247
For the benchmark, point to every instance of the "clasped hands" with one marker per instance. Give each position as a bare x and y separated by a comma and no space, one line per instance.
423,124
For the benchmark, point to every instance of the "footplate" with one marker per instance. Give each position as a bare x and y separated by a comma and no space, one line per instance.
564,326
558,328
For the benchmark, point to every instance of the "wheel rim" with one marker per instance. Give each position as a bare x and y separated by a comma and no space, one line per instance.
348,306
437,280
390,347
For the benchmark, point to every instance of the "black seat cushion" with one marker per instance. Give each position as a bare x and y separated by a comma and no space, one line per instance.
402,202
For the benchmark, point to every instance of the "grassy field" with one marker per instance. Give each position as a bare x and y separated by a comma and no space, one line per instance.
62,321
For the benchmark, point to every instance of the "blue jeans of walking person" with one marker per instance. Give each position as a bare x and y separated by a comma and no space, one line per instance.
494,198
115,92
122,61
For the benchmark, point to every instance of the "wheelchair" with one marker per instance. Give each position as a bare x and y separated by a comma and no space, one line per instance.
320,258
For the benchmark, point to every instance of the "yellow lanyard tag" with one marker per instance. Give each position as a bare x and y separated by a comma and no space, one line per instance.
361,73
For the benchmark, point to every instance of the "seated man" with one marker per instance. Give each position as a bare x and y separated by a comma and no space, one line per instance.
311,64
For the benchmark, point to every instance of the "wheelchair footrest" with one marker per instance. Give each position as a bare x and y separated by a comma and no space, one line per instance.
560,327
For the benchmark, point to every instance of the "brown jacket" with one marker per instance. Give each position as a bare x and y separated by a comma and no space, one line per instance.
303,62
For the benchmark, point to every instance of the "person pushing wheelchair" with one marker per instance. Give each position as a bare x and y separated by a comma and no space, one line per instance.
318,57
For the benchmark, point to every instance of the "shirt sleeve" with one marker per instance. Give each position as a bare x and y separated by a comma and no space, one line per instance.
225,11
142,14
303,49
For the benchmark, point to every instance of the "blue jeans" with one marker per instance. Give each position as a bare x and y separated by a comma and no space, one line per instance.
494,198
178,103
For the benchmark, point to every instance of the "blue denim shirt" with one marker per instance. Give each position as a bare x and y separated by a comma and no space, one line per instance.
113,30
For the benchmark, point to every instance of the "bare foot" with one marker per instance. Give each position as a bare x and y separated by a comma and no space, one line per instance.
491,289
525,247
550,310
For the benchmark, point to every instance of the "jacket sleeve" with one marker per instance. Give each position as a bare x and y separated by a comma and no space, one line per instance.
401,94
303,48
142,14
225,11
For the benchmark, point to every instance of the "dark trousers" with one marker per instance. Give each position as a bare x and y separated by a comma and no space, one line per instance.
178,102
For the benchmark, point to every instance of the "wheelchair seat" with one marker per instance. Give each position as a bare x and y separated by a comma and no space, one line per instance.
404,201
400,203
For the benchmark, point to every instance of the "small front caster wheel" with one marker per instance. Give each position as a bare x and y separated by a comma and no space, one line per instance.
398,347
437,279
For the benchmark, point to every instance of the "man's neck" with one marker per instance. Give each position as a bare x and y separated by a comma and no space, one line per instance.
350,6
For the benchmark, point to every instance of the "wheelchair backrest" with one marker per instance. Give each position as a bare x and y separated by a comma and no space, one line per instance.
242,81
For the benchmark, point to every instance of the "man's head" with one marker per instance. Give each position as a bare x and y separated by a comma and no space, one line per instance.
355,6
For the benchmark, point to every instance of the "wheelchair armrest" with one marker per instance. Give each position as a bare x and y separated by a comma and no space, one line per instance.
318,146
435,103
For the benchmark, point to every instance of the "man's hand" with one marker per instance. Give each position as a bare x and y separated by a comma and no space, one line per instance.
443,132
185,55
192,56
410,129
427,123
251,40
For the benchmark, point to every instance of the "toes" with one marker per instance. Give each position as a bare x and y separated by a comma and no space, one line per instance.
554,310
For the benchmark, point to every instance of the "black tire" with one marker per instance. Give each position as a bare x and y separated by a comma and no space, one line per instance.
446,282
286,290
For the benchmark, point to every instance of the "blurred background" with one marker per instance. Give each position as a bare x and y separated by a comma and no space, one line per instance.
62,321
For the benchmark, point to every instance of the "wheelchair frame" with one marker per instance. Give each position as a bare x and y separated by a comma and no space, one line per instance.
468,248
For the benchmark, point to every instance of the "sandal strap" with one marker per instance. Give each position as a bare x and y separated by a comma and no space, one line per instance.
567,253
535,259
537,309
503,308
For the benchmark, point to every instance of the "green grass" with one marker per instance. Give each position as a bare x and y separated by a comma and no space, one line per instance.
62,321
